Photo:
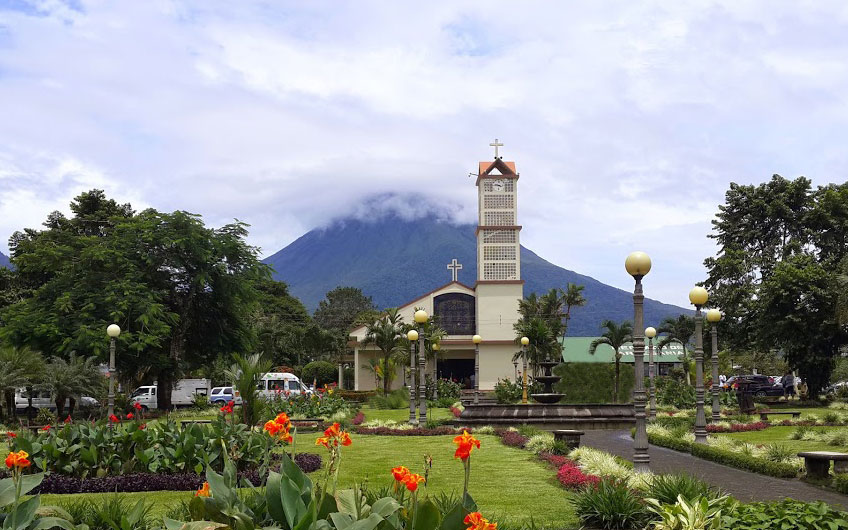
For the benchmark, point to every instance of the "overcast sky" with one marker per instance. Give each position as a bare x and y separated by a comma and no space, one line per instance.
627,120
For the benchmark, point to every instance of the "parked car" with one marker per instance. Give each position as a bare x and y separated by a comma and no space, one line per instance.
274,383
221,395
760,385
43,399
832,389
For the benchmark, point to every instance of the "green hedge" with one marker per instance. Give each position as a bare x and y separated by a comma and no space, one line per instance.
672,422
742,461
322,372
593,382
678,444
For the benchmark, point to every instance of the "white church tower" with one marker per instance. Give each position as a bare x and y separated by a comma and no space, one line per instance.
499,286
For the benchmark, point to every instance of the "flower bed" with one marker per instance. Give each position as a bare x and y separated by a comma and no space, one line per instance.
737,427
412,431
512,438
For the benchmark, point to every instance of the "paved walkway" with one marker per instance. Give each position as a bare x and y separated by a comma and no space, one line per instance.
743,485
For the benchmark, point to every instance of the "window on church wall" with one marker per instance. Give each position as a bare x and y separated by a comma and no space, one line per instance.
454,312
499,271
499,236
501,201
498,253
499,218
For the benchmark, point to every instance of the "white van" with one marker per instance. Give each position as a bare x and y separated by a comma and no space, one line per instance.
43,399
274,383
182,395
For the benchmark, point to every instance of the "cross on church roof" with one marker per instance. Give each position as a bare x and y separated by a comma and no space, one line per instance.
454,266
495,144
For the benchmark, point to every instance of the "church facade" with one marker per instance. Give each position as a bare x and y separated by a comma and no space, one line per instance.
489,308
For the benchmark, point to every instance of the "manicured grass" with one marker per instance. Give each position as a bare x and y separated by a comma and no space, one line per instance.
402,414
162,501
506,483
781,435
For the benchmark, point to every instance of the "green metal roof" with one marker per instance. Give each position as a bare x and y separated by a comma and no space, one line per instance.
576,350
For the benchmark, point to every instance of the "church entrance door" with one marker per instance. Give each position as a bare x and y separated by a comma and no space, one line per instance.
459,370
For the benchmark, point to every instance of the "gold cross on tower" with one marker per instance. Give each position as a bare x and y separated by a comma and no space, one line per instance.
454,266
496,145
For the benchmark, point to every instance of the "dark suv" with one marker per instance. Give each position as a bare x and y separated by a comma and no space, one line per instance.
759,385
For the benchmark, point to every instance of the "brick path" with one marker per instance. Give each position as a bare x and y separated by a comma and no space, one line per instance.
743,485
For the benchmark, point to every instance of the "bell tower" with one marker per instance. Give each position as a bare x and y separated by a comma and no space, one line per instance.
499,285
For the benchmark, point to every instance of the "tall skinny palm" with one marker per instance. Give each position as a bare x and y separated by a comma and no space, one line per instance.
70,380
616,336
679,330
572,297
386,332
19,368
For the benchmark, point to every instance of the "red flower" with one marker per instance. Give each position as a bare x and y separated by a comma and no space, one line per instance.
45,428
142,426
137,405
465,443
113,419
476,521
130,416
68,419
400,473
11,434
412,480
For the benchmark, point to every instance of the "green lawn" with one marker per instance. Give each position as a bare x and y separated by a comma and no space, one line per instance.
507,483
402,415
781,435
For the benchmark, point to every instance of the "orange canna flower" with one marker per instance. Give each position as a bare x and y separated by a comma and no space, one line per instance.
412,480
334,437
282,418
476,521
203,491
323,441
333,430
400,473
465,443
272,427
17,460
345,439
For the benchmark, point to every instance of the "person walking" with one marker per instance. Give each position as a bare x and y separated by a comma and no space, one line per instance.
788,382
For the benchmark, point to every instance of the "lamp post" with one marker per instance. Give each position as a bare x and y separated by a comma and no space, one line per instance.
713,316
112,331
421,317
650,332
412,336
699,296
477,339
638,264
524,342
435,347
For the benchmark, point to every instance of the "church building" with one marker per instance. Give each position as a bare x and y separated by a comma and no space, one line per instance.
488,308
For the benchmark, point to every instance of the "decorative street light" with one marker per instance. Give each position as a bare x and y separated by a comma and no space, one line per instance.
412,335
699,296
112,331
477,339
435,347
650,332
421,317
524,342
713,316
638,264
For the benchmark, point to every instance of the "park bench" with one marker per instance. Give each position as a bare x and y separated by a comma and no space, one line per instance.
817,463
569,436
764,415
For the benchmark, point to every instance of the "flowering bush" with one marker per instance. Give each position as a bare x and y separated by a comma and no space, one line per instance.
358,419
571,477
322,404
406,431
456,412
513,438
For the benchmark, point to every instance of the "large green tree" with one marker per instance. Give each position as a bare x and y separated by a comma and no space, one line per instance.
183,293
341,307
781,249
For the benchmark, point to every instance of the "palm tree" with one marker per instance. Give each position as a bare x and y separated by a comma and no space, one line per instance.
70,380
19,368
616,336
543,340
245,373
679,330
571,297
386,332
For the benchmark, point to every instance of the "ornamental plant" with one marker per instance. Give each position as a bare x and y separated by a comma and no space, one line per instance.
19,514
465,443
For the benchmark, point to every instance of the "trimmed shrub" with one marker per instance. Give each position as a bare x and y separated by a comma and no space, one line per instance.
322,372
840,482
674,421
678,444
743,461
738,427
513,439
415,431
507,392
671,391
397,399
358,419
571,477
593,382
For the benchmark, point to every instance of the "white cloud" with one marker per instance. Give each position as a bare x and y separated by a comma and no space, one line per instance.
627,120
